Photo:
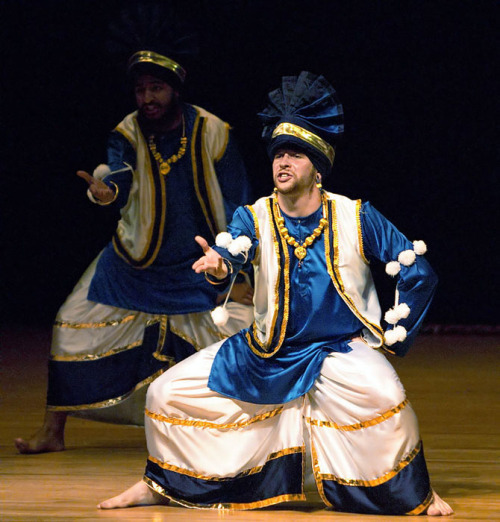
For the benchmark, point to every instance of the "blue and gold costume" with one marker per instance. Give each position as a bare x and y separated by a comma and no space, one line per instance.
140,308
314,296
158,279
303,389
304,400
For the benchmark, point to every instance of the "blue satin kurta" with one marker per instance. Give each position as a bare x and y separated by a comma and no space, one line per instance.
168,285
319,321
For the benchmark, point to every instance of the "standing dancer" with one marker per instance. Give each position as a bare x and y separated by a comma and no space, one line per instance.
174,171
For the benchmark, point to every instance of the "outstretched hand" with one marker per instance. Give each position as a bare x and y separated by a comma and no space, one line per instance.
97,188
211,262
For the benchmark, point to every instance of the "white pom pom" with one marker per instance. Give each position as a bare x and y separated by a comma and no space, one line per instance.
101,171
246,243
223,239
220,316
391,316
402,310
390,338
420,247
407,257
240,245
398,334
401,333
393,268
233,249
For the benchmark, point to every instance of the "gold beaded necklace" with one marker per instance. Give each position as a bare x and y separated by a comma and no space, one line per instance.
300,251
165,165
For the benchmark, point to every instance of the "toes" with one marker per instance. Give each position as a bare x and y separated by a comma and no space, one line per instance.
22,446
104,505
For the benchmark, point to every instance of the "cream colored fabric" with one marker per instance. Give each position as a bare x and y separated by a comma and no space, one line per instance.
134,227
215,140
350,415
85,330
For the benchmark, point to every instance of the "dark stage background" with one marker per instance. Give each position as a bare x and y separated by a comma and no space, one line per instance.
416,79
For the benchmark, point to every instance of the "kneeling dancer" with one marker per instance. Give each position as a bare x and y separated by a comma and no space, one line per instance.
304,398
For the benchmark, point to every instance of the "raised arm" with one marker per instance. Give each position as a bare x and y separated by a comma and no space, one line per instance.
416,280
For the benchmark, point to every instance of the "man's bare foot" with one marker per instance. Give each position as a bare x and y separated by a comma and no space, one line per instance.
438,507
140,494
50,437
38,445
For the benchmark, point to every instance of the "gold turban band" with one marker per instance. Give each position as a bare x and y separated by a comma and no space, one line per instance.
157,59
312,139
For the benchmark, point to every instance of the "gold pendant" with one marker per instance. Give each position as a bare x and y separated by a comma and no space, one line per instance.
164,168
300,252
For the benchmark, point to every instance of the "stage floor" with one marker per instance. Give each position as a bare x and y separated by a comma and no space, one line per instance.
452,381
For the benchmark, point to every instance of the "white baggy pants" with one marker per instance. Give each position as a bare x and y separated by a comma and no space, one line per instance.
355,426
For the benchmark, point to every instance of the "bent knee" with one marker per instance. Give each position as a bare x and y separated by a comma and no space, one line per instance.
379,380
365,375
383,386
159,392
388,394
